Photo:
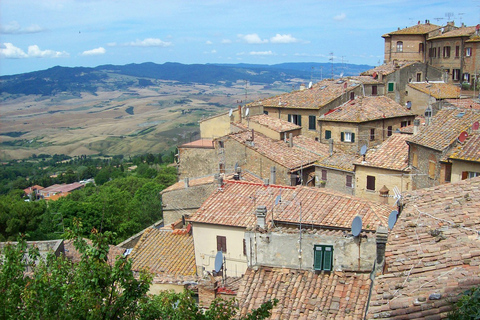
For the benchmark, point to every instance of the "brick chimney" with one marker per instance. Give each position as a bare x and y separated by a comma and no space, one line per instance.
416,125
382,237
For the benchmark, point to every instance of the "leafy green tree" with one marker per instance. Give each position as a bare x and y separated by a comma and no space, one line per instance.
468,306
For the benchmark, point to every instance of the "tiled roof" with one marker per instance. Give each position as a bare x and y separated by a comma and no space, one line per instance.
314,98
460,32
61,188
236,202
277,150
416,29
339,160
438,90
201,143
363,109
470,150
444,128
464,103
303,294
72,254
275,124
165,253
365,79
432,254
388,68
391,154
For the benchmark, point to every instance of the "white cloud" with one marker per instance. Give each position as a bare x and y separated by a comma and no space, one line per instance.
213,51
261,53
226,41
9,51
94,52
252,38
148,42
340,17
15,28
209,42
283,38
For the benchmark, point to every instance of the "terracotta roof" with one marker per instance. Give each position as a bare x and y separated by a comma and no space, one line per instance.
445,127
303,294
432,254
316,97
32,188
201,143
365,79
470,150
73,255
464,103
460,32
416,29
275,124
438,90
57,188
339,160
236,202
391,154
278,150
363,109
165,253
388,68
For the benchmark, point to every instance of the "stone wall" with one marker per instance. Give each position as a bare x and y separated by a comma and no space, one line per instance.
197,162
420,171
336,180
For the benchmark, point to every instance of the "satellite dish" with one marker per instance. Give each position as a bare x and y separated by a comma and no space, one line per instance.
363,149
463,136
247,111
341,75
278,199
310,85
230,113
357,226
392,219
218,261
475,126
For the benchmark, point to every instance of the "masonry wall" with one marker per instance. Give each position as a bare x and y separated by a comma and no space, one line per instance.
418,99
459,166
197,162
177,203
336,180
336,128
216,126
410,50
280,249
420,172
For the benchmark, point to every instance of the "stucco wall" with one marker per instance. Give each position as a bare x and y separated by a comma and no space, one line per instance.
205,242
410,50
336,180
197,162
216,126
282,250
459,166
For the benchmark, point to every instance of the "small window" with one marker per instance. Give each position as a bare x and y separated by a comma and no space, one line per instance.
403,124
265,112
348,181
347,136
328,134
456,74
419,76
399,46
371,183
446,52
466,77
389,131
431,167
374,90
352,95
221,167
323,257
372,134
244,247
473,174
409,105
222,243
221,144
414,158
391,86
295,118
324,175
457,51
468,52
312,122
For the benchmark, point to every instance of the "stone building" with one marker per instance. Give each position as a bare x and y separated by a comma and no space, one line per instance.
336,171
197,159
465,158
422,95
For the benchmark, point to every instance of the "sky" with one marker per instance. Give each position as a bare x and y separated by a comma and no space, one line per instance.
40,34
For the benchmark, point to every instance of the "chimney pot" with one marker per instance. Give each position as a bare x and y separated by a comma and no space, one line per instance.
290,140
186,181
416,125
261,213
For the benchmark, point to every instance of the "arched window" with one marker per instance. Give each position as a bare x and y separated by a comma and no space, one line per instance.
399,46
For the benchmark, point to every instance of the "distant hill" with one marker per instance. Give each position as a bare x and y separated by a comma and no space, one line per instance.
112,77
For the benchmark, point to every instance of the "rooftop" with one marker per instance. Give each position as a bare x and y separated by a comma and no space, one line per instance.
432,254
363,109
275,124
438,90
444,128
391,154
469,151
166,253
304,294
201,143
388,68
235,205
319,95
464,103
339,160
459,32
57,188
421,28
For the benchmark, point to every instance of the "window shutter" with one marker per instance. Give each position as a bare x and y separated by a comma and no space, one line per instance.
299,119
342,136
464,175
328,259
348,181
318,257
324,175
222,243
328,134
289,118
244,247
370,183
353,137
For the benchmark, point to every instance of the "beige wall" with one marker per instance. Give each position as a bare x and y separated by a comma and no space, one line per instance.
419,100
205,242
216,126
383,177
410,48
197,162
459,166
156,288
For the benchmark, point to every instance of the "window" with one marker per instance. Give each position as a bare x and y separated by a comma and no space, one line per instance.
374,90
221,144
347,136
352,95
414,158
391,86
409,105
468,52
403,124
323,257
389,131
265,112
457,51
455,74
371,183
222,243
244,247
349,181
221,167
431,166
312,122
328,134
432,52
419,76
324,175
372,134
295,118
421,47
473,174
446,52
466,77
399,46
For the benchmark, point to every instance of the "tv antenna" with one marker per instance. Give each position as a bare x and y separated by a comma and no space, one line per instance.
449,15
331,59
357,226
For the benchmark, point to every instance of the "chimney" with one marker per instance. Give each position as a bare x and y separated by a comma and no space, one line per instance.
384,195
382,237
186,181
273,174
261,213
290,140
416,125
302,87
330,145
266,181
219,180
240,113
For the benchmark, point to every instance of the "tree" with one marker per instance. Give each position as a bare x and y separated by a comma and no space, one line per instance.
468,306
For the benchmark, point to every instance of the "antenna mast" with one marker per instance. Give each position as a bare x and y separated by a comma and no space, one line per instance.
331,59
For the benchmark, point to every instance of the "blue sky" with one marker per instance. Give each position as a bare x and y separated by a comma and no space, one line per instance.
39,34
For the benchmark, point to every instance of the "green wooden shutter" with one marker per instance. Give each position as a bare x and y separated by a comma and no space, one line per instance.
342,138
353,137
327,259
391,86
328,134
289,118
317,258
299,119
